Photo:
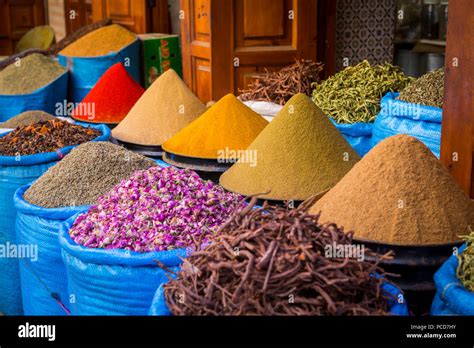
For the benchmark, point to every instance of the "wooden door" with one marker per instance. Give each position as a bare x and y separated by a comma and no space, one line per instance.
226,43
18,16
78,13
128,13
139,16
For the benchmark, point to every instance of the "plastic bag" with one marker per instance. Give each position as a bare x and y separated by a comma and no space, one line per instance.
113,282
359,135
397,305
399,117
86,71
15,172
44,99
451,298
46,275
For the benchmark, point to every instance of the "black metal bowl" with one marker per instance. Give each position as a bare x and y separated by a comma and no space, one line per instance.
416,266
155,152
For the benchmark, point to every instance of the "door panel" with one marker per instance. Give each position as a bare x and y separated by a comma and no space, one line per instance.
18,16
129,13
243,38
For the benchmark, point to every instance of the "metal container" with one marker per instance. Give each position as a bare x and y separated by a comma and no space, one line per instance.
430,20
443,20
408,61
430,62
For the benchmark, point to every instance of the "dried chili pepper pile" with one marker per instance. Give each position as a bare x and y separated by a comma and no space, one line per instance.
280,86
272,261
45,136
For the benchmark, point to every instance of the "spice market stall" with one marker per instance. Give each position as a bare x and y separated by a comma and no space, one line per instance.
268,177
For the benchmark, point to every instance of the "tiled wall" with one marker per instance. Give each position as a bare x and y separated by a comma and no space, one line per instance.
364,30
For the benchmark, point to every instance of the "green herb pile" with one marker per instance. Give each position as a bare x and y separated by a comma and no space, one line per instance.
353,94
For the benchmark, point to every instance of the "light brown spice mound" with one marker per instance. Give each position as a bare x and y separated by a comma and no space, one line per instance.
165,108
399,193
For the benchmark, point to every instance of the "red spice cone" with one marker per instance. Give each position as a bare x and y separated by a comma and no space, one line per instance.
111,98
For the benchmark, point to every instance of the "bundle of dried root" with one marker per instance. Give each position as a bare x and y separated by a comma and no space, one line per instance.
275,261
280,86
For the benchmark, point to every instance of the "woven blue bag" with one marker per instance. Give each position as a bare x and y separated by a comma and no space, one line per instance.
399,117
397,304
86,71
44,99
43,281
451,298
15,172
113,282
359,135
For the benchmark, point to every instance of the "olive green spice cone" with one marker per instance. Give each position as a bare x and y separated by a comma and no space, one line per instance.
166,107
399,193
300,153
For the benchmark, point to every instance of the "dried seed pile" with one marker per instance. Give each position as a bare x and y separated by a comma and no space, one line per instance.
29,74
427,90
27,118
154,210
465,269
353,94
280,86
88,172
45,136
271,261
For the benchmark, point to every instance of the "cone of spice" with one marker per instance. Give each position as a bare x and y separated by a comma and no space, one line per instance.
228,124
166,107
29,74
27,118
399,193
111,98
299,154
100,42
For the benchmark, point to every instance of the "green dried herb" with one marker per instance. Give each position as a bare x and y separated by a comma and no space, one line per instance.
353,94
427,90
465,270
29,74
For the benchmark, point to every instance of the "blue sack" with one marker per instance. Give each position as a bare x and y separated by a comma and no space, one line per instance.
359,135
16,172
399,117
44,99
113,282
397,305
451,298
86,71
45,276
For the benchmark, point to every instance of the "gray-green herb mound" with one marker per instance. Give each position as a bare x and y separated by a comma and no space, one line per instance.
29,74
88,172
27,118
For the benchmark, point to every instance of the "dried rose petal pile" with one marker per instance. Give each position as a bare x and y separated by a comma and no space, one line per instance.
156,209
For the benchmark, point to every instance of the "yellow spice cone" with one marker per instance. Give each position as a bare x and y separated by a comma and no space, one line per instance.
228,124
